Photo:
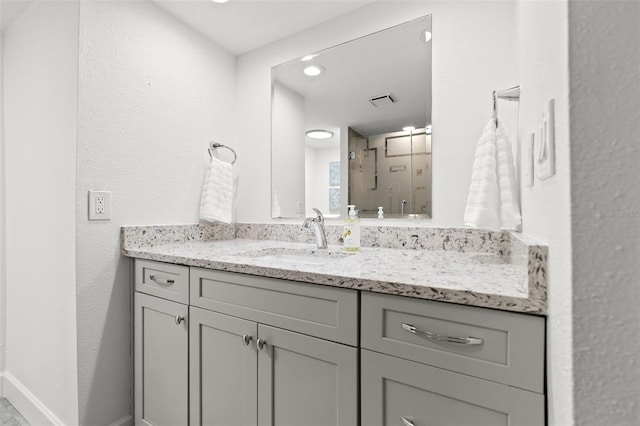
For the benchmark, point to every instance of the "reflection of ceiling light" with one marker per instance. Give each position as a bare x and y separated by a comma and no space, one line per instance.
425,36
308,58
319,134
219,1
313,70
408,129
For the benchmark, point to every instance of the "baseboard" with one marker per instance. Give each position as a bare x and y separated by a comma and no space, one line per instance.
31,408
125,421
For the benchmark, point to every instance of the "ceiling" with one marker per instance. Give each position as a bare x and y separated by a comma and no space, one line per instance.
240,26
237,26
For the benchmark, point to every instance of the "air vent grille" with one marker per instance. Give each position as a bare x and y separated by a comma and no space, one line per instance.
382,100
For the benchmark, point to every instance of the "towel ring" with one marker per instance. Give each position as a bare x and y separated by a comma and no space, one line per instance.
216,145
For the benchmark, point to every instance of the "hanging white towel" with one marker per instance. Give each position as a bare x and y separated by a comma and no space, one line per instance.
483,203
507,184
493,194
216,203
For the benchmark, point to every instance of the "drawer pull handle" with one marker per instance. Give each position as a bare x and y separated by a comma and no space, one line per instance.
168,281
261,343
246,339
406,422
179,319
441,338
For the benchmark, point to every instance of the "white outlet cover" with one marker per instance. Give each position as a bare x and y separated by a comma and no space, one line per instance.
96,213
546,144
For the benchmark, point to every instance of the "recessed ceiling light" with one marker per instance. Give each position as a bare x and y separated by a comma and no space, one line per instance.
313,70
219,1
408,129
319,134
308,58
425,36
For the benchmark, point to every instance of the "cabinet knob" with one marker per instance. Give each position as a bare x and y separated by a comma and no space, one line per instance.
246,339
179,319
261,344
406,421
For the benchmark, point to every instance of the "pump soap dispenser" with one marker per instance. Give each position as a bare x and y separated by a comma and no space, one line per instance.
351,233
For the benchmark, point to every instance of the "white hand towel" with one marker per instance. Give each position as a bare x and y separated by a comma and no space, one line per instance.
216,203
507,184
493,198
483,203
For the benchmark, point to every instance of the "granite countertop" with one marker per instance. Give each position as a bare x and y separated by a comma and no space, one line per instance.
482,279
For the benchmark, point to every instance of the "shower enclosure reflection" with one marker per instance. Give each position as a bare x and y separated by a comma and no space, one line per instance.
391,170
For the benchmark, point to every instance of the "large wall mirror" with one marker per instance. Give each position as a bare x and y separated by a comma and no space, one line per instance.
352,125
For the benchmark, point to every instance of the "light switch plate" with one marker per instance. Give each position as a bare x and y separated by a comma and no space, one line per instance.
528,161
99,205
546,144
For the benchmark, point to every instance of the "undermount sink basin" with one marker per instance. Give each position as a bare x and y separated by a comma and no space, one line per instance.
296,256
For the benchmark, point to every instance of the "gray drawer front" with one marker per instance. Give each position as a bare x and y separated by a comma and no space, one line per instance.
163,280
512,351
320,311
394,388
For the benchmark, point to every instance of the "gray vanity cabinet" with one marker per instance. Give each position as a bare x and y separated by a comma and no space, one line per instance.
161,361
161,338
401,392
304,380
223,369
255,354
433,363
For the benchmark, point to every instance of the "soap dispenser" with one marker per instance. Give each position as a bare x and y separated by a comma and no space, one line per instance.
351,233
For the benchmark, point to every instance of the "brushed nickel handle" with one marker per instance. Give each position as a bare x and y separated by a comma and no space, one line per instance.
406,422
168,281
179,319
442,338
261,343
246,339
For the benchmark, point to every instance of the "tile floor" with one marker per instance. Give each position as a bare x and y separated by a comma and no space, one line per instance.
9,416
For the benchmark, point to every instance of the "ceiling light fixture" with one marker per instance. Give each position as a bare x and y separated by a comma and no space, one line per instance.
219,1
319,134
313,70
425,36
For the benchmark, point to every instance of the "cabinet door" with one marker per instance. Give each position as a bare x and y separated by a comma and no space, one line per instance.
161,340
223,369
304,380
405,393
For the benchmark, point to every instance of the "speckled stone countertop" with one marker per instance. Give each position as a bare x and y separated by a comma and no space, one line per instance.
504,271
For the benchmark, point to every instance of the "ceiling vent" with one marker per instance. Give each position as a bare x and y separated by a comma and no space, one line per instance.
382,100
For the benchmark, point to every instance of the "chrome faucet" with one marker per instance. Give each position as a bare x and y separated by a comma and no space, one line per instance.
317,224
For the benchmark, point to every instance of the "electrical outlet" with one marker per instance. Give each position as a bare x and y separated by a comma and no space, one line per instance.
99,205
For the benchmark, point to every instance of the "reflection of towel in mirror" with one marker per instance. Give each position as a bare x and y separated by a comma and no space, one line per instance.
492,202
216,203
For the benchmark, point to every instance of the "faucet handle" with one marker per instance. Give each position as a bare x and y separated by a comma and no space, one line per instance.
320,215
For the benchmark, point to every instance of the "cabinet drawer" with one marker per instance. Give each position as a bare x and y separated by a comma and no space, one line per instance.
503,347
163,280
325,312
400,392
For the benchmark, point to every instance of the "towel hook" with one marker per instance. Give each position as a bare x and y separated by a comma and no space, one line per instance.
216,145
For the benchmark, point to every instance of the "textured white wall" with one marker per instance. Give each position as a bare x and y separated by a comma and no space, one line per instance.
546,207
152,93
40,81
604,63
465,72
